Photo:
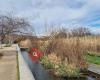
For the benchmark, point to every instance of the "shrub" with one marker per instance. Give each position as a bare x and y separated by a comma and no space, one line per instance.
46,62
67,70
59,69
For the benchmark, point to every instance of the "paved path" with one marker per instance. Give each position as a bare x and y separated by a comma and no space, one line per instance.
8,65
94,68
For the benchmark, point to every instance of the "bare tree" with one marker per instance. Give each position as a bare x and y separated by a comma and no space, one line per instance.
60,33
80,31
13,25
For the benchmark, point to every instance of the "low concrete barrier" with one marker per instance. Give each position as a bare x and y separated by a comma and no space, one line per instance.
24,71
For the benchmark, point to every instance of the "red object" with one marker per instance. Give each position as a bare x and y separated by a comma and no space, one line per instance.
35,54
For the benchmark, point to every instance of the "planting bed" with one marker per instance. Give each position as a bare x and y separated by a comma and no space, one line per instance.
46,74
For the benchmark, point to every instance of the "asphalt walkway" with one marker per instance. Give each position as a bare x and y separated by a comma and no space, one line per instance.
8,64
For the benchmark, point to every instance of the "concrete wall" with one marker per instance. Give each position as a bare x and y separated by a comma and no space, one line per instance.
24,71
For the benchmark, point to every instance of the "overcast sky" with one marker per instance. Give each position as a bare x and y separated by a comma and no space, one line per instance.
66,13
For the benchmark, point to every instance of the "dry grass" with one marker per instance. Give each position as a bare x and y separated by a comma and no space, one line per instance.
88,43
69,52
66,55
91,44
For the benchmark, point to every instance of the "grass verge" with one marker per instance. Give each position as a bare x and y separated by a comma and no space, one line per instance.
93,59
